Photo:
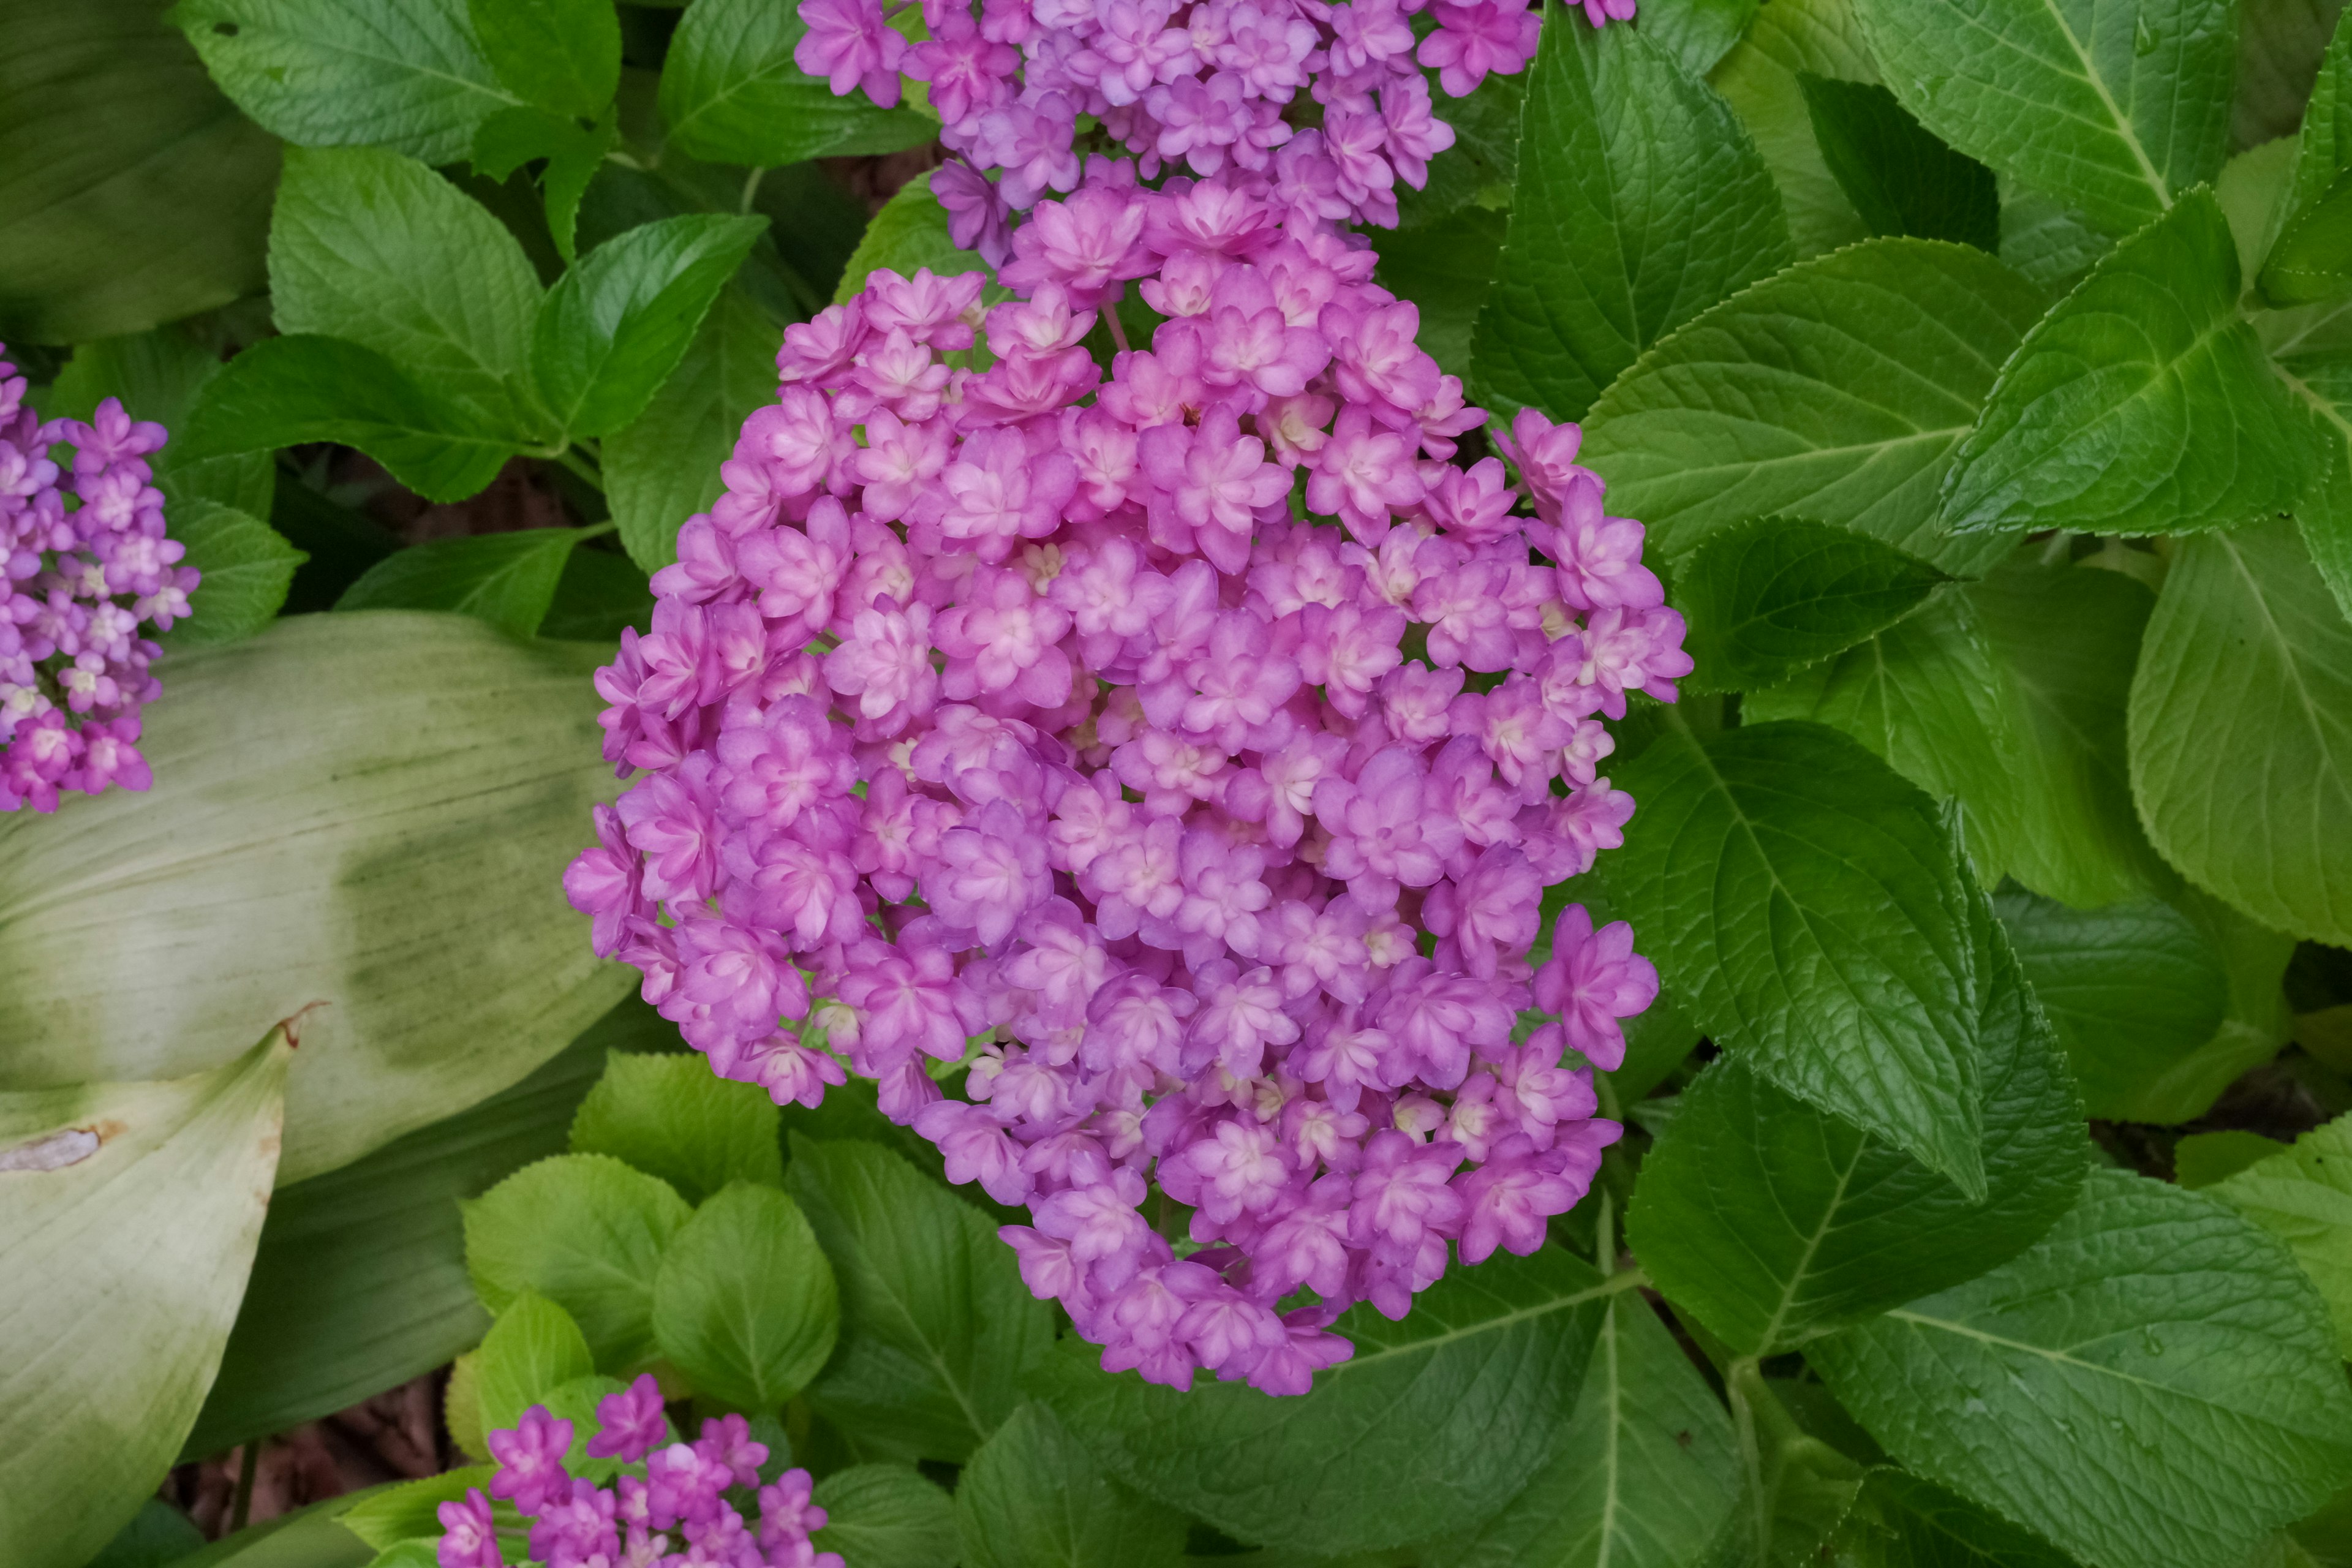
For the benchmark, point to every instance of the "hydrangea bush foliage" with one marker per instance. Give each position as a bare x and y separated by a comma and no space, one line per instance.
1466,784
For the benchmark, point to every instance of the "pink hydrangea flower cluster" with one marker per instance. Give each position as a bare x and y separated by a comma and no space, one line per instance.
1323,104
87,566
669,1508
1206,735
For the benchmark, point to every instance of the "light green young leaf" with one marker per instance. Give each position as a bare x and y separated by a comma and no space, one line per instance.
1803,900
745,1305
615,326
1644,1470
586,1232
670,1115
284,392
1759,79
1640,202
1034,1497
2143,404
2302,1195
886,1516
380,251
2112,111
731,94
508,580
1402,1441
129,1214
2154,1382
662,466
408,1510
939,1333
1836,390
405,74
563,55
246,568
158,375
531,1351
2201,1159
1766,597
397,854
909,233
2249,657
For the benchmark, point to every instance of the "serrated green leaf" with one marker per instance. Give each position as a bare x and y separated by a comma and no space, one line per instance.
2323,383
1034,1497
886,1516
2202,1159
1768,596
615,326
1640,202
2279,47
508,580
1775,1223
662,466
1697,35
399,859
379,250
670,1115
939,1333
2154,1382
247,567
563,55
129,1214
2112,110
2143,404
1644,1470
284,392
2302,1195
745,1305
730,93
1759,79
2249,657
407,1511
2322,153
2047,242
1836,390
1428,1429
1902,1521
1801,898
159,375
1797,1488
588,1233
533,1349
909,232
1900,178
405,74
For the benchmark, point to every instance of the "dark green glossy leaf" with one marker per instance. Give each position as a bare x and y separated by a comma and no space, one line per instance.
574,155
1034,1497
886,1516
731,94
1902,1521
563,55
159,375
588,1233
2313,259
601,593
1446,270
662,466
1900,178
745,1305
1767,597
2047,242
246,565
506,579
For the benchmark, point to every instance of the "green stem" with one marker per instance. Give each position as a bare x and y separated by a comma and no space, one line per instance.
1751,1452
571,460
751,188
241,1506
1604,1234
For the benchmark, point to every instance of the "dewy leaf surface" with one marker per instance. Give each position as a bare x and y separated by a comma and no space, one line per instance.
1428,1429
1836,390
1640,202
1776,1223
2142,404
2154,1382
2302,1195
2249,657
128,1213
1768,596
1802,898
2112,109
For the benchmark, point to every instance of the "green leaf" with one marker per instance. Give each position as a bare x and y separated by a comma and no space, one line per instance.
368,811
1034,1497
2143,404
2249,657
563,55
506,579
1768,596
360,1283
1797,1488
1641,202
1902,1521
311,1537
157,1535
1900,178
731,94
2323,383
1445,269
937,1331
662,467
128,1217
2279,48
285,392
2047,241
1836,390
2152,1384
407,1511
909,233
158,375
531,1351
2321,150
89,191
2302,1195
1427,1430
379,250
405,74
1759,79
886,1516
2112,111
575,154
671,1116
1696,35
588,1233
2313,259
1775,1223
612,330
247,567
2201,1159
745,1305
1644,1470
1801,898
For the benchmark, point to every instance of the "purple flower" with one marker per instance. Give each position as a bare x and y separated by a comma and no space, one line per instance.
630,1422
469,1540
1593,980
531,1461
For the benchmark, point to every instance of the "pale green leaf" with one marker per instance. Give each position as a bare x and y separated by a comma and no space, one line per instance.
670,1115
586,1232
745,1305
909,233
1759,79
531,1351
247,567
2302,1195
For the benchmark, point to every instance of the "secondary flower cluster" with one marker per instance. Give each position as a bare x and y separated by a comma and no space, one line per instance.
84,564
1231,824
672,1495
1327,103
